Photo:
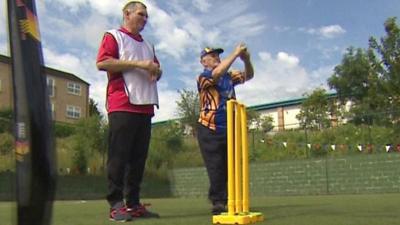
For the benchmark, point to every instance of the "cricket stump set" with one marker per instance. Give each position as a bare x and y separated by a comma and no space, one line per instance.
238,169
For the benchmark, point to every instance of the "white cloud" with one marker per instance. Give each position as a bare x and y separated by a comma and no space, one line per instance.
65,62
180,31
103,7
75,33
73,5
40,7
332,31
93,34
278,78
177,31
3,19
246,25
108,7
202,5
4,48
287,60
3,30
328,52
327,32
167,99
98,91
320,75
264,56
172,39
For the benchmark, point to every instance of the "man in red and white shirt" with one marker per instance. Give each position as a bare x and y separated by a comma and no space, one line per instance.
133,71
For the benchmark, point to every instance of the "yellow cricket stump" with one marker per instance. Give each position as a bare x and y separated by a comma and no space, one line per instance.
238,169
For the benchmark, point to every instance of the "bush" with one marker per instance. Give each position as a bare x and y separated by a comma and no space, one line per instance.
6,143
63,130
166,142
5,120
79,159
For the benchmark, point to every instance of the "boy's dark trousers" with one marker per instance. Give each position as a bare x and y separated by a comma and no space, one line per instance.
213,149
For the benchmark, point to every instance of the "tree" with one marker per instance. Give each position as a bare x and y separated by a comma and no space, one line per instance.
356,80
89,137
266,124
166,142
259,122
93,110
314,112
370,79
188,108
253,118
387,65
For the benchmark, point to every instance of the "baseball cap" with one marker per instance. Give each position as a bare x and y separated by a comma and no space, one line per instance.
208,50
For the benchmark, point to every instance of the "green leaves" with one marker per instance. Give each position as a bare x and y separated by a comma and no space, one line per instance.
314,113
370,79
188,108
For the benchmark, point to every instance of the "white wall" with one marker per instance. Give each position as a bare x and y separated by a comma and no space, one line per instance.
289,116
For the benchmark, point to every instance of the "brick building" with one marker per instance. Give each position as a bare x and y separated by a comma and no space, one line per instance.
69,94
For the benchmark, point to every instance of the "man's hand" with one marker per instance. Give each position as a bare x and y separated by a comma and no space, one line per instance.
235,72
153,69
245,56
240,48
157,76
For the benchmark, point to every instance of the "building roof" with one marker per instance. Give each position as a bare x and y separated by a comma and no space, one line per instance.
290,102
50,71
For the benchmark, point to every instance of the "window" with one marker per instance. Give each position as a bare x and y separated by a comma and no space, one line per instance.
51,84
53,111
73,112
74,88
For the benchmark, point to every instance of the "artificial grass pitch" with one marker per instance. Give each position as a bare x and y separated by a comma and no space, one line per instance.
372,209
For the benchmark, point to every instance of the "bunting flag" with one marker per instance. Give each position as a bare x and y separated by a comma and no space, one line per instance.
367,148
388,147
34,147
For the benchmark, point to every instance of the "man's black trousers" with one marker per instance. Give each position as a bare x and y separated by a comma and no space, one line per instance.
129,138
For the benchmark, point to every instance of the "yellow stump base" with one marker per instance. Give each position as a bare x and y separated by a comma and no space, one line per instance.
247,218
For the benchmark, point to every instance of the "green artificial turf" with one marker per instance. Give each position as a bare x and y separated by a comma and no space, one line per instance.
382,209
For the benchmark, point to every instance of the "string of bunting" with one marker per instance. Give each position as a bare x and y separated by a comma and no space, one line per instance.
335,147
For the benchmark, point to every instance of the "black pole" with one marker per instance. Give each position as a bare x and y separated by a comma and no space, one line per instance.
34,147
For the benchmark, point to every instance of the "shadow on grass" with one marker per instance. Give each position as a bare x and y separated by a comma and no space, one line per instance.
279,212
180,215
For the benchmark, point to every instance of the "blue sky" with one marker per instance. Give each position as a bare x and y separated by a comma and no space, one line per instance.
294,44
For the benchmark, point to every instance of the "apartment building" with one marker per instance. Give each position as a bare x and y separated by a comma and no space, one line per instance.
69,94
